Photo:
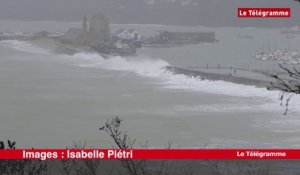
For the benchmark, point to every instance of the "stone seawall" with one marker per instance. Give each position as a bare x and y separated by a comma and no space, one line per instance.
220,77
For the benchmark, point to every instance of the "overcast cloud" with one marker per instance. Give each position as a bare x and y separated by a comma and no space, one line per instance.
178,12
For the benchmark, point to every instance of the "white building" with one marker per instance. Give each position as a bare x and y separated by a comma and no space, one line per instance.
121,44
130,34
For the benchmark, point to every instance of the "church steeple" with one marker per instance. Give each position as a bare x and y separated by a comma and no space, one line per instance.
84,24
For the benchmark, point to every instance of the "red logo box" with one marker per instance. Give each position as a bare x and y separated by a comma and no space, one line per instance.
264,12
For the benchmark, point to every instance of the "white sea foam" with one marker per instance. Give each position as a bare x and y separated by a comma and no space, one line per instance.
155,68
23,46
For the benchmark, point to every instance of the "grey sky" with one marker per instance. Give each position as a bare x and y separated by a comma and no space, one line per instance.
181,12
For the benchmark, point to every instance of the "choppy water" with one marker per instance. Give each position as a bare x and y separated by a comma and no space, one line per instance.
50,100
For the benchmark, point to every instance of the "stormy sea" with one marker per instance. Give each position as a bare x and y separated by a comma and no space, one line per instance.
54,100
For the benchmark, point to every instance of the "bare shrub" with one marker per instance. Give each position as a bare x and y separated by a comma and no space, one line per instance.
21,167
124,142
288,86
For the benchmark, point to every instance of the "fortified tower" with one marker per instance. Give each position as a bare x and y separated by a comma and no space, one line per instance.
100,30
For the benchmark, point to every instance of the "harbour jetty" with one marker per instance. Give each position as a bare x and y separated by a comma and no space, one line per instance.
250,78
171,39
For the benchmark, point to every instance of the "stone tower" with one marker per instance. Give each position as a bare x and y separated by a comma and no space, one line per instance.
100,30
84,24
84,37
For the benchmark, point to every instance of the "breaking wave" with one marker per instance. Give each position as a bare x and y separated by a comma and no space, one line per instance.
23,46
156,69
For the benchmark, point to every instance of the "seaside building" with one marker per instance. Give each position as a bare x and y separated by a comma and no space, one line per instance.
167,36
100,31
124,39
130,34
77,36
95,34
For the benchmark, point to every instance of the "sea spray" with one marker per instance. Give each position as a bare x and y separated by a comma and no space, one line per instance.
156,68
24,46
